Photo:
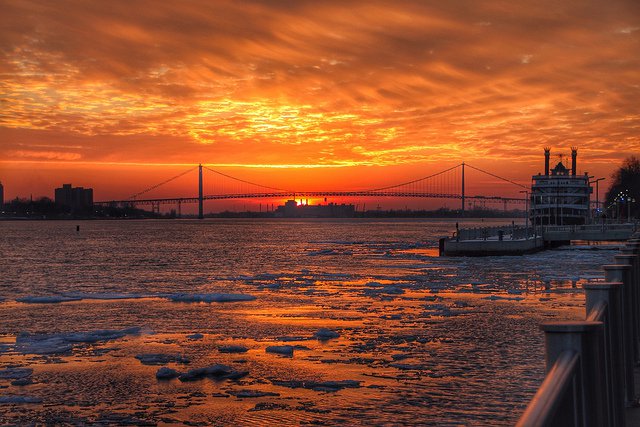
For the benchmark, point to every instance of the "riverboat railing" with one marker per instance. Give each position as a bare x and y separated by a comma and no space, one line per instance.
590,364
515,232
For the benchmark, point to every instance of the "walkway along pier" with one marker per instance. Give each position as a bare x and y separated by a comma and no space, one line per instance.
592,365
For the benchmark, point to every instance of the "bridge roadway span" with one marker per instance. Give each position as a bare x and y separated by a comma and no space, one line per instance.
282,194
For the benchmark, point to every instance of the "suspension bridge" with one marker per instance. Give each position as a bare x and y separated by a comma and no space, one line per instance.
446,184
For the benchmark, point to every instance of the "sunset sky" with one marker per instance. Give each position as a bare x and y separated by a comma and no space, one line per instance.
119,95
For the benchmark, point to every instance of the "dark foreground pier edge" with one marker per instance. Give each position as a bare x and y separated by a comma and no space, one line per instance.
592,365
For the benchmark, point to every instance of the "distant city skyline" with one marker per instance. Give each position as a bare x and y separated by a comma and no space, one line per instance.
117,96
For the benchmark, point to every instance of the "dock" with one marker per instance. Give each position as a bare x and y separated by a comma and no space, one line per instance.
519,240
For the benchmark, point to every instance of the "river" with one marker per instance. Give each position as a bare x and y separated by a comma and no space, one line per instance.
354,322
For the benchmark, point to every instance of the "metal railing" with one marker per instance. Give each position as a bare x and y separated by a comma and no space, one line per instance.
590,364
513,232
591,227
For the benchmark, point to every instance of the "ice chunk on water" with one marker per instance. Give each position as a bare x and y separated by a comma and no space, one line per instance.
165,373
232,349
210,297
161,359
64,342
325,334
285,350
498,298
196,336
289,338
251,393
19,399
55,299
108,296
384,290
322,252
101,335
406,366
217,371
47,299
42,344
15,373
318,385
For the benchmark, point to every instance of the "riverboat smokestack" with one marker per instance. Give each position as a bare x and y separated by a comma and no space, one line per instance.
547,154
574,156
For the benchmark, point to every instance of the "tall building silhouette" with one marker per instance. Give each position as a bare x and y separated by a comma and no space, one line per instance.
74,199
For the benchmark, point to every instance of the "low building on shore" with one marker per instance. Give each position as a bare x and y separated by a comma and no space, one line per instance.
291,209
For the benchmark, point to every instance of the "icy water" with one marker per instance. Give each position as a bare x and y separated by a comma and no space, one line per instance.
350,322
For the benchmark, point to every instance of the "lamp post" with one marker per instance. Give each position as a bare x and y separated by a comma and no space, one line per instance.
526,206
597,193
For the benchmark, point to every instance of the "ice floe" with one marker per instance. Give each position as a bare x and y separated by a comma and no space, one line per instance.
285,350
407,366
232,349
47,299
182,297
318,385
251,393
195,336
210,297
501,298
217,371
324,334
15,373
22,381
288,338
166,373
69,297
322,252
19,399
161,359
383,290
64,342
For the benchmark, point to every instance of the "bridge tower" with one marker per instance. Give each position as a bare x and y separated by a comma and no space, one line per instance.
200,200
462,194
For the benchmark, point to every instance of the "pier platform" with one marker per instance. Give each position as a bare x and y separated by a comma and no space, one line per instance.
519,240
493,246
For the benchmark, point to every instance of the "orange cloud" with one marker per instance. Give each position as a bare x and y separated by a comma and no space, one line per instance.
306,83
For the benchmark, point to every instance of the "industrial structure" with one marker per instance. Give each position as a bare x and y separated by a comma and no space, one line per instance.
560,196
292,209
74,199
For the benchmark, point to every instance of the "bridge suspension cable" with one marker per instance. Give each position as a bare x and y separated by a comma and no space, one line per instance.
133,197
244,181
496,176
415,180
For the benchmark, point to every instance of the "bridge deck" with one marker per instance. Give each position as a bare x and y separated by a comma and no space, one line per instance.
298,194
